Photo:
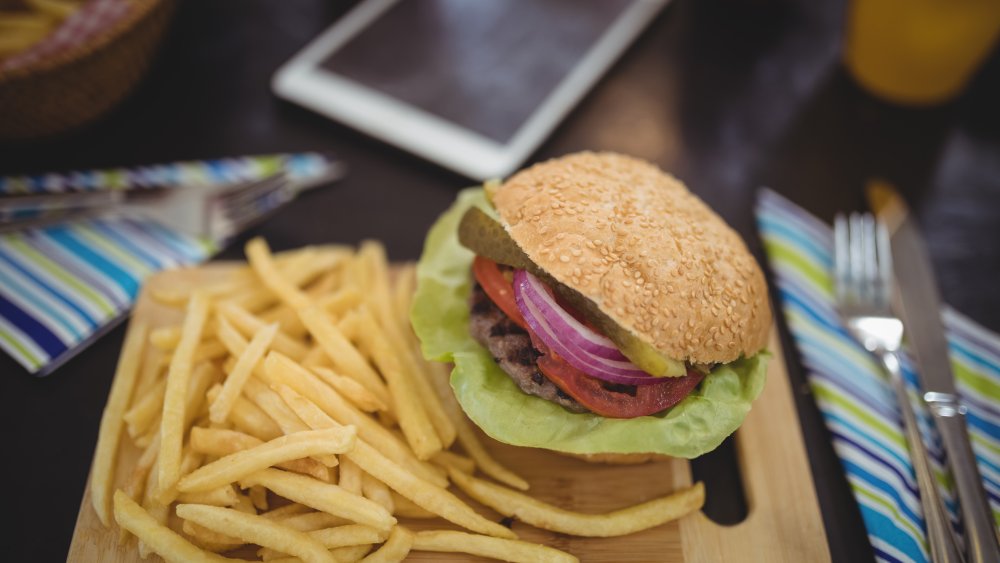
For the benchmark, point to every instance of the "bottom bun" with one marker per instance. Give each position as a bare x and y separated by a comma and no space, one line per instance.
618,459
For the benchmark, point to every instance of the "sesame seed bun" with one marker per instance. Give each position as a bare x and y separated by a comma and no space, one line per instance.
647,251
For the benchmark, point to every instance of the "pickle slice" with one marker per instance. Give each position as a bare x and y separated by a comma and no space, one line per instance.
485,236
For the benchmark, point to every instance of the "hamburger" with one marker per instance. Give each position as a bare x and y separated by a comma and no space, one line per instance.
592,305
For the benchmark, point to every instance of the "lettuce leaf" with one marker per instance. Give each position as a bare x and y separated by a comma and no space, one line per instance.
440,317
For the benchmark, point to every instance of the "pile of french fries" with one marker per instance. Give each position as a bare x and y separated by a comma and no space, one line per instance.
31,22
291,416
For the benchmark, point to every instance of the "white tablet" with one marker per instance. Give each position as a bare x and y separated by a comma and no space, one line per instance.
474,85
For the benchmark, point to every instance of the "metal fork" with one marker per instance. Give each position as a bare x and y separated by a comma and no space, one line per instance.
864,291
215,212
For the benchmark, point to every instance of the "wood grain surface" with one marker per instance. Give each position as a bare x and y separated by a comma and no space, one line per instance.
784,521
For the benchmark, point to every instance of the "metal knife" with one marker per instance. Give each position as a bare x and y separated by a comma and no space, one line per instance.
920,306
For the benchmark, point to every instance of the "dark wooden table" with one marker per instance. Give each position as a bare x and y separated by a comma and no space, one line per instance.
727,94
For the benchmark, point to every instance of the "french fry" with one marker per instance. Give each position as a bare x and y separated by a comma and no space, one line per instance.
248,324
313,521
244,504
231,338
208,350
281,370
146,439
287,319
165,338
316,358
169,297
190,460
145,409
351,534
340,536
157,510
321,496
233,385
209,540
259,256
149,374
254,529
394,549
341,301
326,283
402,294
345,358
204,376
617,523
269,402
238,279
428,496
275,407
249,418
351,554
220,442
413,419
136,484
172,424
291,509
376,491
349,326
451,460
351,390
161,539
434,499
380,302
109,436
350,477
486,546
300,268
233,467
258,496
221,496
228,366
407,508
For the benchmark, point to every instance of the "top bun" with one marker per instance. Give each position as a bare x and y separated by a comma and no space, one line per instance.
647,251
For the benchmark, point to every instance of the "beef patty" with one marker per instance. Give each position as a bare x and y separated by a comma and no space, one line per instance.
511,348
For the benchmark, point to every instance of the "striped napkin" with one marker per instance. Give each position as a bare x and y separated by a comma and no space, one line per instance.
62,286
857,402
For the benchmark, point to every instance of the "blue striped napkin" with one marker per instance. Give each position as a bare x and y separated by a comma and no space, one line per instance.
857,403
62,286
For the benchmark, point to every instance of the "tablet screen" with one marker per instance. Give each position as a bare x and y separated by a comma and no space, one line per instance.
484,65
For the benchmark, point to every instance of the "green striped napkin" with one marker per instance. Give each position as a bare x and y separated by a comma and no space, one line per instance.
857,403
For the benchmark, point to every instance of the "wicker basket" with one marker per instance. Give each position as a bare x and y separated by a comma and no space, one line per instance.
76,86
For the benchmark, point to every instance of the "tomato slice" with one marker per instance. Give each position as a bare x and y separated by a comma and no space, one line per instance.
595,395
498,288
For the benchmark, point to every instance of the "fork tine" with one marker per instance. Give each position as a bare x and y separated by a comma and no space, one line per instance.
855,239
885,274
841,259
870,266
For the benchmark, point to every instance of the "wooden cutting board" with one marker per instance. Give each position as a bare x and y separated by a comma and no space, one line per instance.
783,524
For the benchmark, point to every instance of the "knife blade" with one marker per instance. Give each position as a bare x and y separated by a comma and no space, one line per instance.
919,305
